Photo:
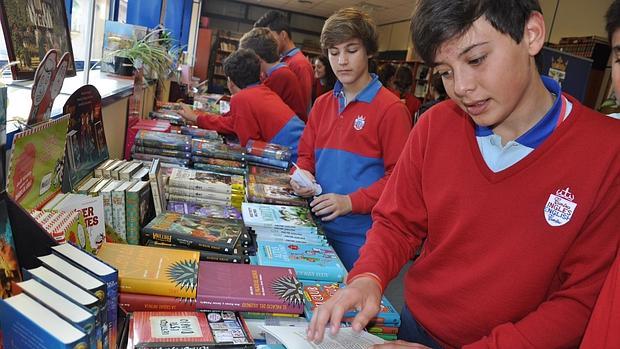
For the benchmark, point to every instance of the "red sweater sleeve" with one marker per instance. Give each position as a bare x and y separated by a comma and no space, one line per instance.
222,124
305,149
392,134
239,121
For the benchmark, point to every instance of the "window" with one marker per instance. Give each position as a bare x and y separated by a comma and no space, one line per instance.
79,18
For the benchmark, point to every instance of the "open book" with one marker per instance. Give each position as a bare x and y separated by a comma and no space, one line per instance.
295,337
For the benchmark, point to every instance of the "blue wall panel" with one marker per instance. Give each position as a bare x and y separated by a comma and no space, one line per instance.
144,12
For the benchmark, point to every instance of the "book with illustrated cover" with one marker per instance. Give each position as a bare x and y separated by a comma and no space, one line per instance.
214,234
86,143
161,151
138,210
218,168
167,330
94,216
278,164
229,329
204,210
208,181
236,256
235,202
218,162
65,226
174,161
317,293
196,132
37,157
131,302
150,270
254,288
268,150
157,186
311,262
274,194
9,267
278,217
214,149
163,140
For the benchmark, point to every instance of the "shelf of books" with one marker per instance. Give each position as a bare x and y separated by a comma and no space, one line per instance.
193,241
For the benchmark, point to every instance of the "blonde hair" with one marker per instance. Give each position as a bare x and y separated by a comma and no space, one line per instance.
350,23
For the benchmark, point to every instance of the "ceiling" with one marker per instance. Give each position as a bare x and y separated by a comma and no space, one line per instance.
383,11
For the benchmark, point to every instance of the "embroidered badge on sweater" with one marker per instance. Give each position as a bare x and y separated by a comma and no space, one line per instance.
359,122
560,207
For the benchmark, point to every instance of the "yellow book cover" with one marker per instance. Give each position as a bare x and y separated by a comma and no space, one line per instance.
151,270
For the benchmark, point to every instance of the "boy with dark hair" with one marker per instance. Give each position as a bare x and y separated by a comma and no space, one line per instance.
277,22
602,330
256,112
277,75
403,82
353,137
511,184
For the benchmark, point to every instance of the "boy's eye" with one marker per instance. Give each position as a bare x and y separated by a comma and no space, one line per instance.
333,53
477,61
352,50
446,74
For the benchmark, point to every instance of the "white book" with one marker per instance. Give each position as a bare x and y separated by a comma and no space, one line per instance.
94,214
128,171
295,337
99,170
85,186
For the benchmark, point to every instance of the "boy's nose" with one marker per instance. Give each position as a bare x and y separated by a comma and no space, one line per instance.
463,84
342,59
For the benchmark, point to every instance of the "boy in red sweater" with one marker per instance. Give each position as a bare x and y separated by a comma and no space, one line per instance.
353,137
256,112
277,22
510,188
276,75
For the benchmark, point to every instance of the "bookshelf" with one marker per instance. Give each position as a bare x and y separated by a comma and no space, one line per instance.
224,43
421,76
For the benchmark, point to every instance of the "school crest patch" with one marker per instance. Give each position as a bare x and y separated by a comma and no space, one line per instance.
359,122
560,207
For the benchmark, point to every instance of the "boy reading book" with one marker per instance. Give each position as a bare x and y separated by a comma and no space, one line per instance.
256,112
276,75
511,184
353,137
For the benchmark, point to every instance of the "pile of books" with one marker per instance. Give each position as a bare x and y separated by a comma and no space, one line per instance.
167,147
265,185
168,111
268,154
216,156
205,187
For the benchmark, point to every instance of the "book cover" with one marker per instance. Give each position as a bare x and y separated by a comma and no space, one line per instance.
171,330
278,216
219,162
35,170
132,302
235,257
312,262
9,267
235,202
317,293
157,186
28,324
178,162
163,140
224,197
274,194
217,168
229,329
150,270
215,149
161,151
268,150
207,181
86,143
196,132
279,164
254,288
119,214
204,210
94,216
102,271
3,106
138,199
216,234
106,197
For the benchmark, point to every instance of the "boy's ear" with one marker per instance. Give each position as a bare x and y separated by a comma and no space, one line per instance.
534,33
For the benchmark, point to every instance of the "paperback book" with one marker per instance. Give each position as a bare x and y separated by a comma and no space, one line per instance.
163,140
206,181
131,302
229,329
268,150
218,150
237,256
278,217
204,210
274,194
176,329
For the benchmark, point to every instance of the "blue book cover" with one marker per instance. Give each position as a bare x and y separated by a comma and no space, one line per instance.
312,262
28,324
100,270
317,293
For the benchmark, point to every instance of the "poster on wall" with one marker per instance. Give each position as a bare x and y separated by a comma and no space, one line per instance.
570,71
32,28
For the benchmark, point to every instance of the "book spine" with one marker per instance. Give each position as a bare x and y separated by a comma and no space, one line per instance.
166,159
133,217
131,302
226,198
157,202
159,144
111,282
161,151
213,302
153,287
203,201
119,214
107,210
184,240
198,185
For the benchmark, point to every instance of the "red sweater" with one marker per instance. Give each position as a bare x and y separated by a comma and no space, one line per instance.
412,103
285,84
302,68
494,272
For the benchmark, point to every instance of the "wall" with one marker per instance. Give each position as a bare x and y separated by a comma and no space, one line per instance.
575,17
394,37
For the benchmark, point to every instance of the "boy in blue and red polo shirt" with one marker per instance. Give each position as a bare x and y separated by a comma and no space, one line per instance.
276,75
353,137
256,112
277,22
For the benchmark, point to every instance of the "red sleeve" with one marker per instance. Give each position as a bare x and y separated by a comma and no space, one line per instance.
566,311
392,134
239,121
219,123
305,149
399,218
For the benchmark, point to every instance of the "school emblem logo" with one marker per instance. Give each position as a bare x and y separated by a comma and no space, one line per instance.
560,207
359,122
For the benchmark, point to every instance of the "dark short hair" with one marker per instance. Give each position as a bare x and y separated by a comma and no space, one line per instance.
403,78
436,21
242,67
437,83
385,72
350,23
612,18
274,20
262,43
330,77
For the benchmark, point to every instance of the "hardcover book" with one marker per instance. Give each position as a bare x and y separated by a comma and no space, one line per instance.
196,132
236,257
204,210
274,194
93,211
131,302
207,181
219,150
217,168
157,186
215,234
254,288
150,270
311,262
139,212
163,140
268,150
161,151
278,217
171,330
9,267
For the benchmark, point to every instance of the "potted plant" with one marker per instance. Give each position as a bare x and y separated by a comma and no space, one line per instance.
152,53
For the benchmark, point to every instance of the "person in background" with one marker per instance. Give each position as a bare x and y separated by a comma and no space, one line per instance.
354,135
324,78
511,184
437,94
277,22
602,330
386,72
276,75
403,81
256,112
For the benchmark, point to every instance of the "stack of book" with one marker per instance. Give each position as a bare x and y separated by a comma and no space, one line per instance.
216,156
199,133
167,147
168,111
217,239
144,124
268,154
204,210
55,313
384,325
271,186
205,187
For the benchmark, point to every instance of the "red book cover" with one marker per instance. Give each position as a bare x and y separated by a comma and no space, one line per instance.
252,288
131,302
171,329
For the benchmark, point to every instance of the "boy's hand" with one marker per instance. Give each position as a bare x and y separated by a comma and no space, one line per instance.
363,293
303,191
188,113
399,345
331,206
